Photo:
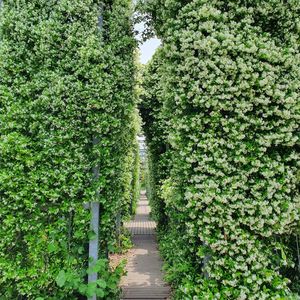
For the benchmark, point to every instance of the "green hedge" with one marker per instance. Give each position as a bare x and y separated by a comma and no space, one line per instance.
135,183
155,131
62,83
229,80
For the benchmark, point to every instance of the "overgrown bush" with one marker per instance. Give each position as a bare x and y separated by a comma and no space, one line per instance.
230,76
64,84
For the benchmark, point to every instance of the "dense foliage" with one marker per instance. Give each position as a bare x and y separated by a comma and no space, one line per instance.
155,132
226,101
67,105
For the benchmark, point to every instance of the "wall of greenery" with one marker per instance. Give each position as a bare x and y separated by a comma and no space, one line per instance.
155,131
63,84
136,178
227,90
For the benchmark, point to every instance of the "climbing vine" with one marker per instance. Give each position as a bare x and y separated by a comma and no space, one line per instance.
229,96
64,84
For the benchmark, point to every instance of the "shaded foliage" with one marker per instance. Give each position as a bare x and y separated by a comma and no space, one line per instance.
229,83
63,84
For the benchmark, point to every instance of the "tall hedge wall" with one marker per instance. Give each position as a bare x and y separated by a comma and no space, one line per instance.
150,107
230,79
63,85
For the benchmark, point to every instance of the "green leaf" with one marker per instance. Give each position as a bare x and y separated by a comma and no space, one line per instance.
91,289
92,235
101,283
283,255
52,247
100,293
61,278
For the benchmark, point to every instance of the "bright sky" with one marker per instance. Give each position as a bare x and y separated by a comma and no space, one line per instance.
148,48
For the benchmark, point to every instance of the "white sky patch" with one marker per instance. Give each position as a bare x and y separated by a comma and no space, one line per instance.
148,48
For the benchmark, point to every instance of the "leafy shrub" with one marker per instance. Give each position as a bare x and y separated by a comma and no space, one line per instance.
229,89
63,84
105,287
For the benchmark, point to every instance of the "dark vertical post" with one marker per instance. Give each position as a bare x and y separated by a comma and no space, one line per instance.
118,228
95,206
94,226
205,261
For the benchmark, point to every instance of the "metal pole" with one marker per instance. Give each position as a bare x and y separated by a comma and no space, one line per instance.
94,227
298,252
94,243
95,206
118,228
205,262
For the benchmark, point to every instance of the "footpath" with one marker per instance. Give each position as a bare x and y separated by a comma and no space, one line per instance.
144,279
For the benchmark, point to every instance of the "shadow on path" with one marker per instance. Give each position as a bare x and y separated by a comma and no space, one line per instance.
144,279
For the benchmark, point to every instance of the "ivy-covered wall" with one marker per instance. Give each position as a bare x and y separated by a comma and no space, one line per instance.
63,85
229,80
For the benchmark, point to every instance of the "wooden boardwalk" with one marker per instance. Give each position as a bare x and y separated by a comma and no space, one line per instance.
144,279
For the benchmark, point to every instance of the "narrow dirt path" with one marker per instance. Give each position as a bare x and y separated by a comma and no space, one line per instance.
144,278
